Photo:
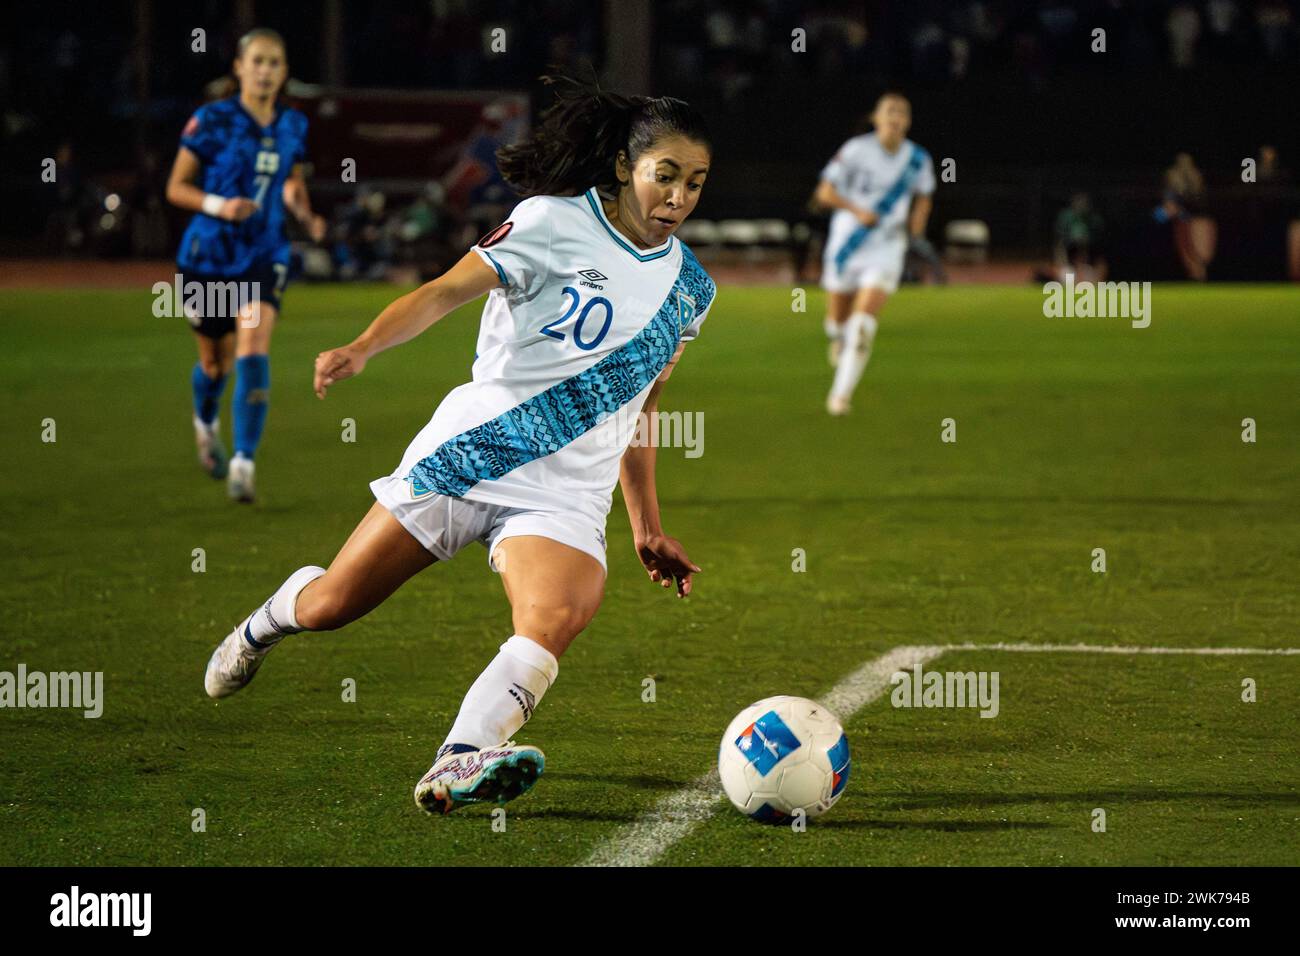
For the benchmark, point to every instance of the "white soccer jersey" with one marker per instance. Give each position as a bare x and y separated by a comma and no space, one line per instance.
870,177
568,348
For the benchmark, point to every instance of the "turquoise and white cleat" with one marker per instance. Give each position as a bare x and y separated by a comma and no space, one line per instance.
212,453
491,775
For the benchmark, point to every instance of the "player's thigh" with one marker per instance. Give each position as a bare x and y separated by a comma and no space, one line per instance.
839,306
554,589
210,354
870,299
254,326
227,352
379,557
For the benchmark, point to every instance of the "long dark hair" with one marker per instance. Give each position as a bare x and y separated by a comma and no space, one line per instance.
579,137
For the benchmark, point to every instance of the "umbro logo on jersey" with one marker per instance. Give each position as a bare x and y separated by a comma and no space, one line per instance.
590,277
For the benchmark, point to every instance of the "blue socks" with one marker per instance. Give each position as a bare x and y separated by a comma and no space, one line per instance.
207,394
252,393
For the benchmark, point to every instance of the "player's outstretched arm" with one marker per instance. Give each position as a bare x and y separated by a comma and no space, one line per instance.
664,558
406,318
920,215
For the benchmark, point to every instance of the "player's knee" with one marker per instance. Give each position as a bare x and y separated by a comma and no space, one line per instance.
322,607
254,337
212,368
555,621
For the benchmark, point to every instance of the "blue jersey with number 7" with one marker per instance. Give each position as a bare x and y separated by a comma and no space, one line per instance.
240,157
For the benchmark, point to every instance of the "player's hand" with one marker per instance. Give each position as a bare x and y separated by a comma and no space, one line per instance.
336,365
316,228
922,247
666,561
867,217
237,209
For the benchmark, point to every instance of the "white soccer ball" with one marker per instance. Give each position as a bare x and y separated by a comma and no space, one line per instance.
781,755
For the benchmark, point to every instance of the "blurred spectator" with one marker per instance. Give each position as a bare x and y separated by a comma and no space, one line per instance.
1223,19
1276,218
929,50
476,195
363,240
1079,232
1184,28
1183,208
1273,21
423,219
1269,170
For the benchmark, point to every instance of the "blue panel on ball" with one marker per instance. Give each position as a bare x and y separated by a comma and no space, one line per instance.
766,742
767,814
839,757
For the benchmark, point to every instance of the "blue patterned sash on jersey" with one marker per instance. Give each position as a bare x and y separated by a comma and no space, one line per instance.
884,206
545,423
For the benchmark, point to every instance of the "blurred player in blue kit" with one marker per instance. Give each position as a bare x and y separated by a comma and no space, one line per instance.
239,168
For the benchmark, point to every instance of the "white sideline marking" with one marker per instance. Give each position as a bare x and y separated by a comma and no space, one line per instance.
1122,649
672,818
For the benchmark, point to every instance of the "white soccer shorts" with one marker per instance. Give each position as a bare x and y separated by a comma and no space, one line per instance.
444,525
876,267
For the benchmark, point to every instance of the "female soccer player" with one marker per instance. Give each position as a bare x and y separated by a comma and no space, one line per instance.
239,168
870,183
590,302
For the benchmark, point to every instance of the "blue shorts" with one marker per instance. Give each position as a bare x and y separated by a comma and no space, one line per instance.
215,312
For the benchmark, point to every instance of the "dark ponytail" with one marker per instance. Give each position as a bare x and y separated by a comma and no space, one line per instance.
579,137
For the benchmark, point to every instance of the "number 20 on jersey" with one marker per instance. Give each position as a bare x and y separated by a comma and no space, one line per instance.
581,327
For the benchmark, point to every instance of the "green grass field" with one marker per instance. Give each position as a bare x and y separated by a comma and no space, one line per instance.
1072,434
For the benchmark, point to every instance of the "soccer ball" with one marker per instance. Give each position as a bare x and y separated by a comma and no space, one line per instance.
781,755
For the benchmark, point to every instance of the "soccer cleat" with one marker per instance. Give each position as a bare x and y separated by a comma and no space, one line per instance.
838,405
232,664
239,483
212,453
491,775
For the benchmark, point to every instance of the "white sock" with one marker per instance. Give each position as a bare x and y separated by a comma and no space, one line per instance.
833,329
503,697
275,619
859,334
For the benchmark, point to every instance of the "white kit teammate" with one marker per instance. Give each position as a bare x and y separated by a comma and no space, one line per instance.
879,185
591,299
